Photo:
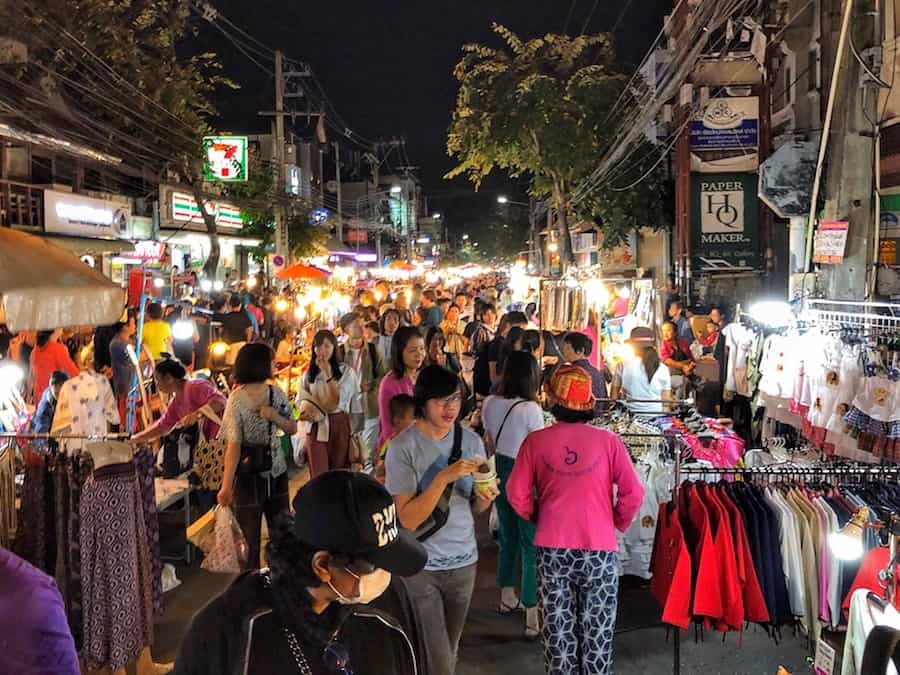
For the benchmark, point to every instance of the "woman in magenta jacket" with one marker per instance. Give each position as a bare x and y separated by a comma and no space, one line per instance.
572,468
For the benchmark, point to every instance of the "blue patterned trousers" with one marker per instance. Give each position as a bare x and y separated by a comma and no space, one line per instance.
578,595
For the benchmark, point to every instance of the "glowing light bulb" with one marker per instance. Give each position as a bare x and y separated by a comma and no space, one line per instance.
183,330
158,282
281,305
206,285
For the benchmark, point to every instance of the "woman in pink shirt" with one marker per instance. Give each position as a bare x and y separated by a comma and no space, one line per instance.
407,357
573,467
189,396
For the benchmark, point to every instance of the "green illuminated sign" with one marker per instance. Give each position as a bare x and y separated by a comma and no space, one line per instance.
225,158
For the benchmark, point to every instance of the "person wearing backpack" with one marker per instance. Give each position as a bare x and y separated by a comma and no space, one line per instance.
364,360
508,418
429,471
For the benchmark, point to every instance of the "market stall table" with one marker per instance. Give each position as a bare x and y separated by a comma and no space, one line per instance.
170,491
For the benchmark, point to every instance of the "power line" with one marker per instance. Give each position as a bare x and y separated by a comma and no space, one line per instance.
589,17
569,15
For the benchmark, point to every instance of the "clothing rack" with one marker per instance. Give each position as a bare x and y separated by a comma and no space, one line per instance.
841,313
836,469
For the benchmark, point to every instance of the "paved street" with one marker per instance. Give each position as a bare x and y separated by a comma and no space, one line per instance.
493,645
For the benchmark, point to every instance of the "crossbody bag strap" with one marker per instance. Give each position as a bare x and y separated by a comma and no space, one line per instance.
271,401
503,423
455,455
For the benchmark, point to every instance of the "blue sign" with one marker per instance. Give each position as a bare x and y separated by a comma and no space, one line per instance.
727,123
318,216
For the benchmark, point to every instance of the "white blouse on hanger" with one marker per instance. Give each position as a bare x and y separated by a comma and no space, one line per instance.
86,407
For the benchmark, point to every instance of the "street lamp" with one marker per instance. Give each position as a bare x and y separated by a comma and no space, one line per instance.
502,199
465,237
436,216
396,189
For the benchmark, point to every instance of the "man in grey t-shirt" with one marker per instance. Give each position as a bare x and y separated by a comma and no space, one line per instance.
417,473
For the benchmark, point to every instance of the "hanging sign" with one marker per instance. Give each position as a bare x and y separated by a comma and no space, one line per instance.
80,216
185,210
225,158
727,123
725,215
357,236
830,242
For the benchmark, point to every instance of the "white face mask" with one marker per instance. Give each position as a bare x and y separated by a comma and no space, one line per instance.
371,586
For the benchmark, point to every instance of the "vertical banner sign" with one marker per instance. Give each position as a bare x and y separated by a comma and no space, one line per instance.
225,158
830,242
724,215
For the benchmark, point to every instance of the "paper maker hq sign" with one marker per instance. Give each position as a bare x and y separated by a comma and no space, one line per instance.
226,158
724,219
727,123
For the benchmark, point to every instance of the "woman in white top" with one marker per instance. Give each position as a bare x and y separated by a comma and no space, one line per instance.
508,418
645,381
324,401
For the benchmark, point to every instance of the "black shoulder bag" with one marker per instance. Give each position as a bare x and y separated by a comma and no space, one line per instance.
438,517
257,457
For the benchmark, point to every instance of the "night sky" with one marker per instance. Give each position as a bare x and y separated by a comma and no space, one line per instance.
388,67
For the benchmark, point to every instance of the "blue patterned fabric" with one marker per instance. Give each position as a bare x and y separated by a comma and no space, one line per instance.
578,595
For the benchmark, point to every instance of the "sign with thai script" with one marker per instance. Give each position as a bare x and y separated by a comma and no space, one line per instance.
225,158
830,242
727,123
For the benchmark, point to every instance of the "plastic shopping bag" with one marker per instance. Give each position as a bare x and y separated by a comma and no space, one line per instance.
229,550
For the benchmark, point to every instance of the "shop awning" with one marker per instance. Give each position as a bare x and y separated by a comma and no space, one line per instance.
85,246
43,286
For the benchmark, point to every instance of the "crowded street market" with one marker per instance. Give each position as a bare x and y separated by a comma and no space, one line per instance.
595,368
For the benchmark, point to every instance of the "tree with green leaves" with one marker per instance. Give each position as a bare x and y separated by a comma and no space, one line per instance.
115,77
540,108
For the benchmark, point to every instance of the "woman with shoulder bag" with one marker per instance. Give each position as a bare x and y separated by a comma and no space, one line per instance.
255,477
508,417
324,404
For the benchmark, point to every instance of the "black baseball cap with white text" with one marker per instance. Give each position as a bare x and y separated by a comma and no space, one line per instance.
351,513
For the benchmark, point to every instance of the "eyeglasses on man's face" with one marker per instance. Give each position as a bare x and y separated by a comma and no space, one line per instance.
449,401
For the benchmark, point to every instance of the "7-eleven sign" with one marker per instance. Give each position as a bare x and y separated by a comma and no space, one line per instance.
225,158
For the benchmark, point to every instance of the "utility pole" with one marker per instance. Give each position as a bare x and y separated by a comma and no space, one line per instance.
340,205
282,245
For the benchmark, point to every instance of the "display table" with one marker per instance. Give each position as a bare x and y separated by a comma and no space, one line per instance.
170,491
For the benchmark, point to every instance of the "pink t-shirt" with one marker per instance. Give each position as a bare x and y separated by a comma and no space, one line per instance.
574,468
195,395
390,386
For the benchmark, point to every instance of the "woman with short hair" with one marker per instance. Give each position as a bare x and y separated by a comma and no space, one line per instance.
256,410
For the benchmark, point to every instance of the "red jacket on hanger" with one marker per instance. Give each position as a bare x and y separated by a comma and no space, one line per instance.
707,601
723,543
671,567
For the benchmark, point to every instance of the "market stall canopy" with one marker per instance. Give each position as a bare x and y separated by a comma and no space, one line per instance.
44,287
301,271
402,266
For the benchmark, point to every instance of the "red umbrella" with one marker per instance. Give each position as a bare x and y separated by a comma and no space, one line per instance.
301,271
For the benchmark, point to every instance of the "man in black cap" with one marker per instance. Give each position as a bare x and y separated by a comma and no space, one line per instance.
308,611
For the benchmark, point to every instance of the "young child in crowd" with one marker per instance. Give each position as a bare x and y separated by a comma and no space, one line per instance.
712,335
403,415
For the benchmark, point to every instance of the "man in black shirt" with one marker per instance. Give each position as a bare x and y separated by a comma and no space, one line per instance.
236,324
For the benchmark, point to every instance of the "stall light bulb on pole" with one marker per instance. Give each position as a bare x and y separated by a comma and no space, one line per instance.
848,543
183,330
218,285
553,247
218,348
772,313
281,305
251,282
11,375
159,282
206,285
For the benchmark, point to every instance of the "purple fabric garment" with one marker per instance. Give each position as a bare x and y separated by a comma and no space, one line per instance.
34,634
